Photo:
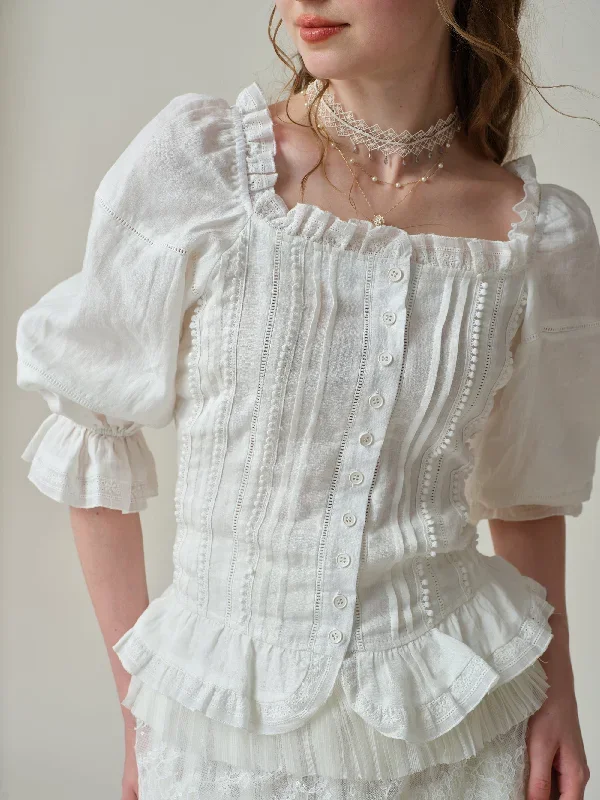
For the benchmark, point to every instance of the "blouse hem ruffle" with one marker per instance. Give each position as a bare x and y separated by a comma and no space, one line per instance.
336,742
415,691
391,674
86,468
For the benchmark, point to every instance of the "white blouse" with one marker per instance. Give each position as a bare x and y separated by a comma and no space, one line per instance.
349,401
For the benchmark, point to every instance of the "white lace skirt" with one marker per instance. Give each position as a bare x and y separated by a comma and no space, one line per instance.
497,772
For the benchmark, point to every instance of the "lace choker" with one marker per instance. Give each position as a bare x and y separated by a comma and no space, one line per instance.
373,137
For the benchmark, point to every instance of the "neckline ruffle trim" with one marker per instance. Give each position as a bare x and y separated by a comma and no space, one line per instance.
318,225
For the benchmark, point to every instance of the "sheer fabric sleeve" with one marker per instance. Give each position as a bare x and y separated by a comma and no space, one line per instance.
535,456
101,346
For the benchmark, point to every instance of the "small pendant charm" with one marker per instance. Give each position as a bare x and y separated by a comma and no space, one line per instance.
355,147
385,159
378,220
369,154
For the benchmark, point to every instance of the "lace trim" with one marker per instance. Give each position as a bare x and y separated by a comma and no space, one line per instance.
90,492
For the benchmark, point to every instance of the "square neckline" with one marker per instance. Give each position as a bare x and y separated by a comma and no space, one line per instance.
311,221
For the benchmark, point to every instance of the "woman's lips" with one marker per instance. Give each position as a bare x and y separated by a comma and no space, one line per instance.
313,34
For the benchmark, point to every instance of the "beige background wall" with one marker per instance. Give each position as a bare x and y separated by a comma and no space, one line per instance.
77,81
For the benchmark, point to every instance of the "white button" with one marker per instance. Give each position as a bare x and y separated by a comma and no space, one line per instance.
389,317
343,559
376,400
349,520
340,601
395,274
336,636
385,358
356,477
366,438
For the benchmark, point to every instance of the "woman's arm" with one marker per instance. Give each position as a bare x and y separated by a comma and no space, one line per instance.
537,549
111,552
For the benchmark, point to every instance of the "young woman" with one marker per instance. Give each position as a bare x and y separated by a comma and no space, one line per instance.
372,331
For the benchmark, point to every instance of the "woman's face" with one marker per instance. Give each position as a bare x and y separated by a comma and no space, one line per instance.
378,37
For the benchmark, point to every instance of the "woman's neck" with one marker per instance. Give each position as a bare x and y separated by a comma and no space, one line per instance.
411,96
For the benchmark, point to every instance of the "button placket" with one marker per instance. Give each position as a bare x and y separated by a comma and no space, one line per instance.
378,394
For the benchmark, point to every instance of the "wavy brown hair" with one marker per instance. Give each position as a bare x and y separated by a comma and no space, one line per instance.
489,73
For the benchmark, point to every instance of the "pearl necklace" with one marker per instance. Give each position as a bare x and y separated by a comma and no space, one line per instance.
374,137
379,219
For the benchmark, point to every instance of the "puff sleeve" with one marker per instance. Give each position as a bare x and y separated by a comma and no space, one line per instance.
535,456
101,346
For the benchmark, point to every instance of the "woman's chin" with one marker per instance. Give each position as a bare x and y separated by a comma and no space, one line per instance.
330,66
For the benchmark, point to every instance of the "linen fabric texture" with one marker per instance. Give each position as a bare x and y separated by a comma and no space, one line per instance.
349,402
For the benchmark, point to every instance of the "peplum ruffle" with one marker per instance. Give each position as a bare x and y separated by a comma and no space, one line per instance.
414,693
383,714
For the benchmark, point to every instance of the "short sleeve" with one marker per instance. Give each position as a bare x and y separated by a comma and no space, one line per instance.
101,347
535,456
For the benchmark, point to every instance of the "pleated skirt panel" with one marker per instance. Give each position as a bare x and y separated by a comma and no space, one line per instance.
499,771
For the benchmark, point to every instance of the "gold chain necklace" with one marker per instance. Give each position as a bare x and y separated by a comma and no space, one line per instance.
379,219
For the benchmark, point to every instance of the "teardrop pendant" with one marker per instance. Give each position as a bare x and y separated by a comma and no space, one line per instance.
355,147
385,159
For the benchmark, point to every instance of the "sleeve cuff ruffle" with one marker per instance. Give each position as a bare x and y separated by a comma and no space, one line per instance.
86,468
523,513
